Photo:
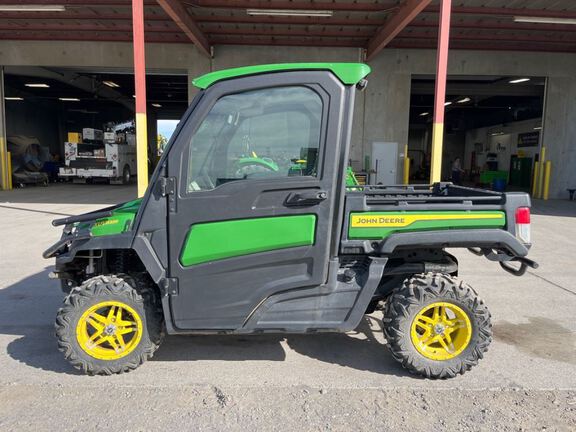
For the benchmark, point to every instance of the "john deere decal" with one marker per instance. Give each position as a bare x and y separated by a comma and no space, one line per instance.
379,225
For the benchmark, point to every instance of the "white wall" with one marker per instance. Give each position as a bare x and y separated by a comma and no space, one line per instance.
508,140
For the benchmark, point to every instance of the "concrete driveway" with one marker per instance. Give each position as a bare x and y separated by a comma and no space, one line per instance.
321,382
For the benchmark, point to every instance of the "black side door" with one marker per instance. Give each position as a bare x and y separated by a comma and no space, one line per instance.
257,168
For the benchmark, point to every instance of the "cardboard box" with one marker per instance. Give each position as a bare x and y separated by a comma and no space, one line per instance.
89,134
75,137
109,137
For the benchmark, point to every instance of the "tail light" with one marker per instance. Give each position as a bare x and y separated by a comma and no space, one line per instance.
523,224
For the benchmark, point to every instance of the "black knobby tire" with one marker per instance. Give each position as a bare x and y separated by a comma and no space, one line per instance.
145,286
108,288
414,295
126,175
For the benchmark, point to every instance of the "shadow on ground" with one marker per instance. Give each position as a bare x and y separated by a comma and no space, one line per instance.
69,193
28,308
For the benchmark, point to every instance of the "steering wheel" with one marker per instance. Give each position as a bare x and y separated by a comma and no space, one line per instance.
254,170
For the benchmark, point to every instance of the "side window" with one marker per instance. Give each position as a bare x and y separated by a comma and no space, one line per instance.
266,133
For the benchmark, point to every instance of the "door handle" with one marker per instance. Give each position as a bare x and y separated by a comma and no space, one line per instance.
305,198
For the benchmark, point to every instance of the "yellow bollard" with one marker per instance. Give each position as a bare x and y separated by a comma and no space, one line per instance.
547,172
407,171
406,166
541,171
535,179
9,170
3,168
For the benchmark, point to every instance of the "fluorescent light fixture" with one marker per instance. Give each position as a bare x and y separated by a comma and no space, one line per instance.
538,128
544,20
32,8
424,114
497,133
83,111
447,103
519,80
134,96
157,105
464,100
37,85
290,12
110,84
13,98
69,99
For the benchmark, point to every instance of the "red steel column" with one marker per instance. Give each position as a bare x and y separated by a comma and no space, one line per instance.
140,86
440,91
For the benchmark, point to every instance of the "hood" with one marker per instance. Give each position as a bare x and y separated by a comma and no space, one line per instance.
119,220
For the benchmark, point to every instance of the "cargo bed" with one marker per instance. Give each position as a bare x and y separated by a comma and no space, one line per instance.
384,219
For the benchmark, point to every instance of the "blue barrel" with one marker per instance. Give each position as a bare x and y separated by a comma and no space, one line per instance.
499,185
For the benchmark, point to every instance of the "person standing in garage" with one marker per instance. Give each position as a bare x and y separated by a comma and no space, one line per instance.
457,171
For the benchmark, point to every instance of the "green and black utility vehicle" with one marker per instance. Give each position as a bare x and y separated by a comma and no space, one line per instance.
230,238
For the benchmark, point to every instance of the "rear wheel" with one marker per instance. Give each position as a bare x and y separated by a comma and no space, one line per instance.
126,175
107,326
437,326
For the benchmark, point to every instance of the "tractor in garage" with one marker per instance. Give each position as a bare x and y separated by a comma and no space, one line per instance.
231,239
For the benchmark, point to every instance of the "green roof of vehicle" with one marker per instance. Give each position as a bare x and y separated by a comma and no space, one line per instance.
348,73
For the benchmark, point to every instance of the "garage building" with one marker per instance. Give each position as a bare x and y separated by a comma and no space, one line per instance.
68,65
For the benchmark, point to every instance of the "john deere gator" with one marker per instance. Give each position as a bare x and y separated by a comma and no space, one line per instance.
231,238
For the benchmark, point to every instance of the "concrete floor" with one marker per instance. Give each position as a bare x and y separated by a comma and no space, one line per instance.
534,348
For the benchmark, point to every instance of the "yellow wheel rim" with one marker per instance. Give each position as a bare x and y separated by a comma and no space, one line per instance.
109,330
441,331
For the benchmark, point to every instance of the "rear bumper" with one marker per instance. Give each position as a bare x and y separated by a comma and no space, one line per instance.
87,172
468,238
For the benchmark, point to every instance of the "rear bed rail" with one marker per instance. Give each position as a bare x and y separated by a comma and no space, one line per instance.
414,200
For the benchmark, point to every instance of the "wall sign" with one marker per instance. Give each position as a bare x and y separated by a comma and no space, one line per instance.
528,139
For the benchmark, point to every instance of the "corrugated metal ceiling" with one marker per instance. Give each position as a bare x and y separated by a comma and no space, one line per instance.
476,24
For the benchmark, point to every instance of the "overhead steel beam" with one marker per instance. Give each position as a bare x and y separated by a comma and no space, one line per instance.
177,38
327,21
498,25
233,19
352,6
483,36
90,36
496,46
283,41
31,16
184,20
172,28
83,27
394,25
541,13
76,3
289,32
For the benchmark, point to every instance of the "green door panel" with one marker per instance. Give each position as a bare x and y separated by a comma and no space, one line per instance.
377,225
213,241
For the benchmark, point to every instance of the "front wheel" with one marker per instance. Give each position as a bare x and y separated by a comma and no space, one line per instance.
437,326
106,326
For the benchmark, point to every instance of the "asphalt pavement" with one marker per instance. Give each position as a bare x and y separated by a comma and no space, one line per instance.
527,381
